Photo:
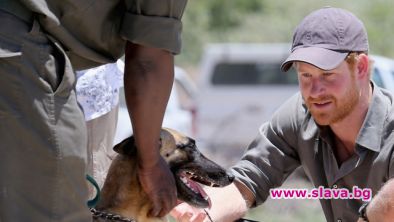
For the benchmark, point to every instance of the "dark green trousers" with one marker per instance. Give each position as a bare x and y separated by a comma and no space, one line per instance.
42,130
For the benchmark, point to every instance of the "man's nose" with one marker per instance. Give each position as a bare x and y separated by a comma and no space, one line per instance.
317,87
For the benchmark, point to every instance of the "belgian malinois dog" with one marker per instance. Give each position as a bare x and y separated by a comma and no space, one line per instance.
123,195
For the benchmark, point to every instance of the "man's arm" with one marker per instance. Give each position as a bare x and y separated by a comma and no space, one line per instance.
381,207
149,75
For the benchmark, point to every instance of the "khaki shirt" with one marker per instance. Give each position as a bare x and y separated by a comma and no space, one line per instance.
292,138
94,32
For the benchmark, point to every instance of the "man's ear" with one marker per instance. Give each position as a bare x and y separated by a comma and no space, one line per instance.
363,65
126,147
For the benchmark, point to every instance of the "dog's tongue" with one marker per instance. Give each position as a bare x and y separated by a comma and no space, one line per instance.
197,188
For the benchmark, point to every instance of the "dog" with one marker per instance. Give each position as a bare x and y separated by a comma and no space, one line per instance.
123,196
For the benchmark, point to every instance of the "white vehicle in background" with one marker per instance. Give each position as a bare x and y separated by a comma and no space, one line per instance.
180,112
241,85
383,72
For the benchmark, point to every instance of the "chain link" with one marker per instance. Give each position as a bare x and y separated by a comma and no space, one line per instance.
209,216
108,216
114,217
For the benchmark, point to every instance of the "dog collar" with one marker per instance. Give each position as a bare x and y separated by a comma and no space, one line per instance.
93,202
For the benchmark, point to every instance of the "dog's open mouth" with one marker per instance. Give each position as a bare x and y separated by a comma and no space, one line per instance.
200,179
190,190
189,180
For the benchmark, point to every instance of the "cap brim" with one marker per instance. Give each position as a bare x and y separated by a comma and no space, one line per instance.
324,59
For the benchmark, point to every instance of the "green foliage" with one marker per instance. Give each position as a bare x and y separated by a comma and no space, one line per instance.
225,14
379,22
208,21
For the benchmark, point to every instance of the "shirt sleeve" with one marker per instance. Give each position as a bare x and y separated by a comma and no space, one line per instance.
272,156
155,23
391,166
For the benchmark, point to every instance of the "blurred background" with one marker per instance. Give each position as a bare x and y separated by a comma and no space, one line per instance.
228,82
207,21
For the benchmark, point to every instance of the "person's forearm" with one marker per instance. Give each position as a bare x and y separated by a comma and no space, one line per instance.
149,74
228,204
381,207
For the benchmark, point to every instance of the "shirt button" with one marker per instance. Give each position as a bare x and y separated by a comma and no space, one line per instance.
335,187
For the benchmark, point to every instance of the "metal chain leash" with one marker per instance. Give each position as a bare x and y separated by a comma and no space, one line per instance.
209,216
108,216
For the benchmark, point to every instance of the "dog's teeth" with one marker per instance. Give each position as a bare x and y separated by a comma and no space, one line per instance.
190,173
184,180
187,183
213,185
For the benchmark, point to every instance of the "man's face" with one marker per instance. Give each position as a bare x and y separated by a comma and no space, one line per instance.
329,95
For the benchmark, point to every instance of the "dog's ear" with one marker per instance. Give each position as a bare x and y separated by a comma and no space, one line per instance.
126,147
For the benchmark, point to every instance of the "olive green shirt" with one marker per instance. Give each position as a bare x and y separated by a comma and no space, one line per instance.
94,32
292,138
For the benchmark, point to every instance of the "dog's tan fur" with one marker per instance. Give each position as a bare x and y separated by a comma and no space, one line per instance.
121,186
122,193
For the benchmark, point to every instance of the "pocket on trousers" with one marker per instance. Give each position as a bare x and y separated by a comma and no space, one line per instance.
65,71
46,59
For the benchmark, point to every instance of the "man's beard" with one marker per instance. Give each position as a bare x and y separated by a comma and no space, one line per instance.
341,108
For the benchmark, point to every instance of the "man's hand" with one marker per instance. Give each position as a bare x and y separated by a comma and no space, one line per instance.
227,204
186,213
158,182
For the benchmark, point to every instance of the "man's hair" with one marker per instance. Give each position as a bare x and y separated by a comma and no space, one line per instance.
352,58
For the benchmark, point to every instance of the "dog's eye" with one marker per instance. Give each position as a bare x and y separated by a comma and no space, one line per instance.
181,146
190,143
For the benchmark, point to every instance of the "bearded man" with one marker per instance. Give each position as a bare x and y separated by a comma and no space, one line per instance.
338,128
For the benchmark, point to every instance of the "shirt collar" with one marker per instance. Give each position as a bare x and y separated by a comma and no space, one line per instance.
370,135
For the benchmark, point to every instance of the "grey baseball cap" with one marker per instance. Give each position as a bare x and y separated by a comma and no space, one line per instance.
325,37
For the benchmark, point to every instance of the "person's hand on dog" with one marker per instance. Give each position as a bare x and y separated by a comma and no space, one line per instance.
159,183
226,204
186,213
